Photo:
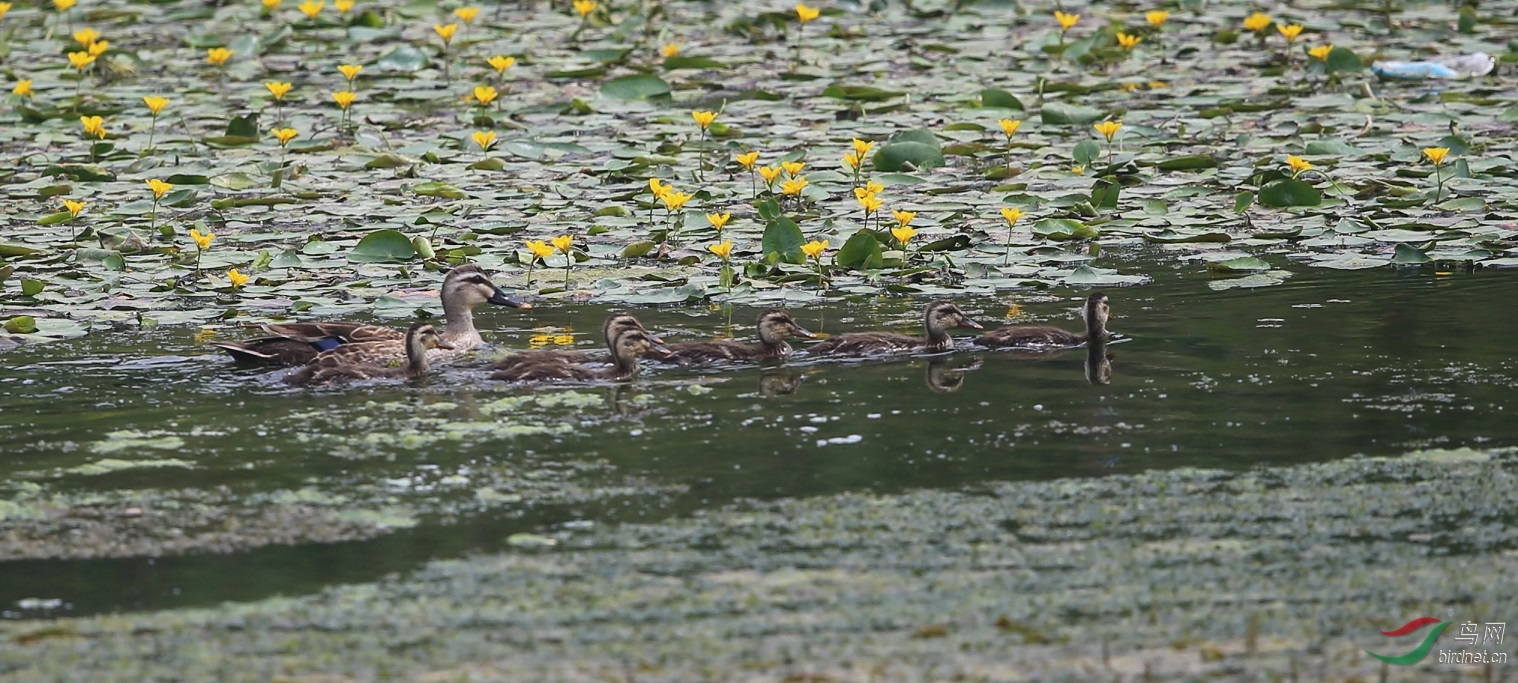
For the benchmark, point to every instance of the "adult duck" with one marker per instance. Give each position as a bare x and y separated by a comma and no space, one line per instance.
464,288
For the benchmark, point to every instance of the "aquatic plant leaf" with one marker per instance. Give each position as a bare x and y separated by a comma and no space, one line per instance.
636,87
783,240
860,252
1407,254
1289,192
383,245
909,155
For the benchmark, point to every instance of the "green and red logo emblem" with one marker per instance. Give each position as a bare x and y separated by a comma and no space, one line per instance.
1420,652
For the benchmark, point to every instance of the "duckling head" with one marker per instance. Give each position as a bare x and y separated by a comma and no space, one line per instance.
629,344
942,315
617,324
775,325
424,336
470,286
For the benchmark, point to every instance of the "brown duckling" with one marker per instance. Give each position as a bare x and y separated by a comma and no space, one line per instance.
627,344
371,360
774,326
614,325
939,317
289,344
1096,312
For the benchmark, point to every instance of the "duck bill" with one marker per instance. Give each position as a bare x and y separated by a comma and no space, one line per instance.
656,345
443,344
966,322
501,299
803,332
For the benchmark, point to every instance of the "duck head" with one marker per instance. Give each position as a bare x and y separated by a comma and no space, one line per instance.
940,317
469,286
1096,313
629,344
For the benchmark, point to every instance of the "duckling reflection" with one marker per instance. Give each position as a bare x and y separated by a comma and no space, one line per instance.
938,318
943,378
781,382
1098,363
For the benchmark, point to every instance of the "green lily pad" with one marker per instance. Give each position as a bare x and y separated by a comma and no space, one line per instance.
636,87
861,251
383,245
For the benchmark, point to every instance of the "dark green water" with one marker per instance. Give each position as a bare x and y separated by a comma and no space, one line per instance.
1325,366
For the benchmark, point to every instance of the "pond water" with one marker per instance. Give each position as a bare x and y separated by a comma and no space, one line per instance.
261,490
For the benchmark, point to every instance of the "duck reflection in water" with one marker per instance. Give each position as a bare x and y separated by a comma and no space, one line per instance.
942,377
1098,364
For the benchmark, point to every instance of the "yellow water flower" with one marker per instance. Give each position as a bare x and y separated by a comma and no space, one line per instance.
904,218
1009,126
1298,164
1156,17
792,167
659,187
23,88
343,6
284,135
155,103
673,200
670,50
201,241
86,35
1257,21
501,63
584,7
1128,42
862,147
485,94
719,220
218,56
81,59
271,5
814,248
311,8
722,250
873,187
746,160
278,90
446,31
1108,129
4,8
74,207
237,279
1320,52
539,248
93,125
704,119
851,160
98,47
807,14
794,186
467,14
870,202
484,138
1012,214
903,234
350,71
159,188
563,243
343,98
1436,154
1290,32
63,5
769,174
1066,21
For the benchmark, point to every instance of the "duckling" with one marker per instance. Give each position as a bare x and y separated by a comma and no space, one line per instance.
937,319
613,326
1096,312
299,343
627,344
774,326
371,360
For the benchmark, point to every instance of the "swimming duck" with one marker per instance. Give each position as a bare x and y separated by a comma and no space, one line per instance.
614,325
627,344
939,317
1095,312
774,326
372,360
299,343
